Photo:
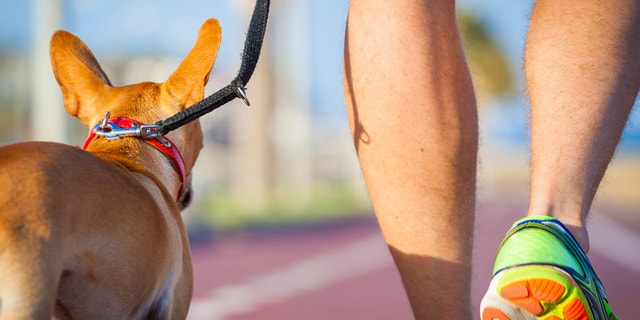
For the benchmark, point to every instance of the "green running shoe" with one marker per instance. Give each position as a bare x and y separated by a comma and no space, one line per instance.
541,272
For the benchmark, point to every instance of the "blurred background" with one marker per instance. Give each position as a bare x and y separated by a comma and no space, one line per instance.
287,162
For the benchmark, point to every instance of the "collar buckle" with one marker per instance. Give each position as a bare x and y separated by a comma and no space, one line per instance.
112,131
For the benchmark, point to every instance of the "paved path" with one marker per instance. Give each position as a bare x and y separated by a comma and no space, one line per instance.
344,271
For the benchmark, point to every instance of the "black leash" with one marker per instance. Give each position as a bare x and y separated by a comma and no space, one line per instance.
236,89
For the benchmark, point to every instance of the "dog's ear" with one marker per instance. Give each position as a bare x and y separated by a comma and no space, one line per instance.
78,73
186,85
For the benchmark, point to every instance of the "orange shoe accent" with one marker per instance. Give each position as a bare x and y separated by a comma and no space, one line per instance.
494,314
520,294
528,294
546,290
516,290
575,310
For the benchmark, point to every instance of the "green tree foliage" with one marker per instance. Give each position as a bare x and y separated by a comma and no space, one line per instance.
490,69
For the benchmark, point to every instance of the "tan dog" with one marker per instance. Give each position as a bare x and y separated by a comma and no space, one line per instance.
98,234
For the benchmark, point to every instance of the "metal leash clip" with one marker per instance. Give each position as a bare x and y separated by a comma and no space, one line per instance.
112,131
241,92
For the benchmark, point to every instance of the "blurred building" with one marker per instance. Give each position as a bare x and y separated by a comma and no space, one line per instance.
289,156
284,151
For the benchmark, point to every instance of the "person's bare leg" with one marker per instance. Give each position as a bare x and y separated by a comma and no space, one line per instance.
583,74
414,122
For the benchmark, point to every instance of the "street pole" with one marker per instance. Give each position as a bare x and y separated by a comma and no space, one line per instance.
48,118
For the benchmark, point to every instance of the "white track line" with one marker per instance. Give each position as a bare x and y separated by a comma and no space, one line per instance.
608,239
358,258
615,242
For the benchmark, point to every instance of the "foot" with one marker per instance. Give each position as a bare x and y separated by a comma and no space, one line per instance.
542,273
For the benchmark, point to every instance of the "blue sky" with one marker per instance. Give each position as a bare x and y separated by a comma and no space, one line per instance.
116,28
158,27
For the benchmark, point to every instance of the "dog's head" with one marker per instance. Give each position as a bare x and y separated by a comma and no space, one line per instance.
88,93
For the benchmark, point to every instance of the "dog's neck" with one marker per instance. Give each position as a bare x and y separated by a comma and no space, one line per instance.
138,156
122,127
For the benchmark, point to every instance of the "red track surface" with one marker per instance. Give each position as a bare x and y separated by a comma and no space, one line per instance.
343,271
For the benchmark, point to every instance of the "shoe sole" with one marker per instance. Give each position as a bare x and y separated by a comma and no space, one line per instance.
535,292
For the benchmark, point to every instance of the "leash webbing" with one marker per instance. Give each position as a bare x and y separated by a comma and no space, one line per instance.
236,89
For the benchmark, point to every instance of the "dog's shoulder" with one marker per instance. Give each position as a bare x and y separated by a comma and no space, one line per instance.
43,165
36,153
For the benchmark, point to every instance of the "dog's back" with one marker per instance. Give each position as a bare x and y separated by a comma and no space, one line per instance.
57,237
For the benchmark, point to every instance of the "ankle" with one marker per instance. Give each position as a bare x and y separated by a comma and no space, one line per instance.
580,233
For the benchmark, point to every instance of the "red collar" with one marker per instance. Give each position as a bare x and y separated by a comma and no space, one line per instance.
161,143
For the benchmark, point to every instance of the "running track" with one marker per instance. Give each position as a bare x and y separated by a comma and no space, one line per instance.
343,270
